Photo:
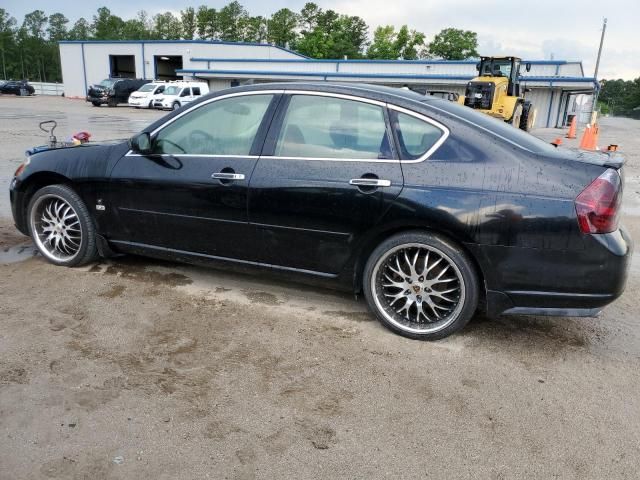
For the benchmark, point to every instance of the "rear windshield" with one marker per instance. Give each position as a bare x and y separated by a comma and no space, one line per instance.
494,125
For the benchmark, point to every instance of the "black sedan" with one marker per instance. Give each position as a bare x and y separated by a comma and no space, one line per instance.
17,87
430,209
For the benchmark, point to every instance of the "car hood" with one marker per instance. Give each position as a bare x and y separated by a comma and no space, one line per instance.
46,148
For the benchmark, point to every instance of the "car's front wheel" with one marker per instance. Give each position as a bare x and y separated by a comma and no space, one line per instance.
61,227
176,106
421,285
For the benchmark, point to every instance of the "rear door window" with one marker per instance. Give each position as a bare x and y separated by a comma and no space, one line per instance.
332,128
416,137
196,90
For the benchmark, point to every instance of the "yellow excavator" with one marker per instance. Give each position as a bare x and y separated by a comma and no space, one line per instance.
497,92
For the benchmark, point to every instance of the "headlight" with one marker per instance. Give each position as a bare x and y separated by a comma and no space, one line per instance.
22,166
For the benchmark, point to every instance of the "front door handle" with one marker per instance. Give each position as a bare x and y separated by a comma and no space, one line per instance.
228,176
369,182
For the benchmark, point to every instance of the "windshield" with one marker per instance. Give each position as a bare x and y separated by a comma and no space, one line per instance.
107,83
172,90
148,87
496,68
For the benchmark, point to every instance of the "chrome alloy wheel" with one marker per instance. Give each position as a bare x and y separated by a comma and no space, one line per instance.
56,228
418,288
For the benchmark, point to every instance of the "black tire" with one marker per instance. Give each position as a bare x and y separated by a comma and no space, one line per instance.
524,119
86,251
112,102
461,306
175,106
95,104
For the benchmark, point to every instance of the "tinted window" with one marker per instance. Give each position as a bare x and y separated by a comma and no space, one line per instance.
186,92
160,89
196,90
224,127
327,127
415,136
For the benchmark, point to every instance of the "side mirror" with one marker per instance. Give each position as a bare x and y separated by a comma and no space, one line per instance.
141,143
528,67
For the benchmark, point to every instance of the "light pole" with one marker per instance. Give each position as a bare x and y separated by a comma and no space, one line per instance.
595,73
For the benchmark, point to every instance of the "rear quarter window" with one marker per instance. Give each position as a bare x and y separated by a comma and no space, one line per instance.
416,136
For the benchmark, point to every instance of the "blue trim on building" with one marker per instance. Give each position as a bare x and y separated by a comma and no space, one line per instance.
324,60
553,92
84,70
144,67
209,42
326,74
275,73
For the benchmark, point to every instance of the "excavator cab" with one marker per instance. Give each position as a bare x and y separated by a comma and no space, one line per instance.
497,91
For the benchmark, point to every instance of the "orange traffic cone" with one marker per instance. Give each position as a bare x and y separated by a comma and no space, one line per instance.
586,138
572,128
594,137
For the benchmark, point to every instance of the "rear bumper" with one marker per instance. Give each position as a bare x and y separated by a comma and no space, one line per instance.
555,282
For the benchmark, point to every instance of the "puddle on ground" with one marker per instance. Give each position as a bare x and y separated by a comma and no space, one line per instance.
18,253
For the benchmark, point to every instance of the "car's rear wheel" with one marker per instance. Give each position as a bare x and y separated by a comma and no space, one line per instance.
421,285
61,227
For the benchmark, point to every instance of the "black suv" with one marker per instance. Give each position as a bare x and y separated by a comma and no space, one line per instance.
113,91
15,86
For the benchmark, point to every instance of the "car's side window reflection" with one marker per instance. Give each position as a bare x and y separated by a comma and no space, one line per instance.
223,127
329,127
415,136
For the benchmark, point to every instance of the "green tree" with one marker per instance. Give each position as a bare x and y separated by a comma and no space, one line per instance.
8,45
207,23
391,45
35,24
454,44
57,27
107,26
620,97
281,27
81,30
166,26
327,34
232,21
254,29
138,28
188,20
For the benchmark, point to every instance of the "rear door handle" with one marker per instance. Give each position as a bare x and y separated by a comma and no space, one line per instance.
369,182
228,176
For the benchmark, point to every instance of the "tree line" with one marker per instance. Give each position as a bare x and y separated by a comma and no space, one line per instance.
620,97
30,50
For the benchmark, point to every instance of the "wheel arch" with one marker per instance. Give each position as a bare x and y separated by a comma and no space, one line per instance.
370,244
35,182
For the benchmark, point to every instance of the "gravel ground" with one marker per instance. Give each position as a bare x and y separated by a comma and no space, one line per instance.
133,368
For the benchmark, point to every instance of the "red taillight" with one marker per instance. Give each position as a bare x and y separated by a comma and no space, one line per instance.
598,206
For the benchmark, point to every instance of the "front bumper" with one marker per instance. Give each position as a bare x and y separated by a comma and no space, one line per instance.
100,100
138,102
16,197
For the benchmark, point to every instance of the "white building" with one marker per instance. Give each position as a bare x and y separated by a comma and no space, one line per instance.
554,84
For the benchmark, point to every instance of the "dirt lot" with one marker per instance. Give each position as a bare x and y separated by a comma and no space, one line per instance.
132,368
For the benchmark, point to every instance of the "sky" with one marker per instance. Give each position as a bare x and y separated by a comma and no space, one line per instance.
532,29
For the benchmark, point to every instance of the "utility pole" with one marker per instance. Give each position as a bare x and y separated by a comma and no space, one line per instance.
595,73
604,29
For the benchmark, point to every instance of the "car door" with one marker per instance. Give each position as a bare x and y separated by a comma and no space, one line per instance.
185,96
326,177
190,194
